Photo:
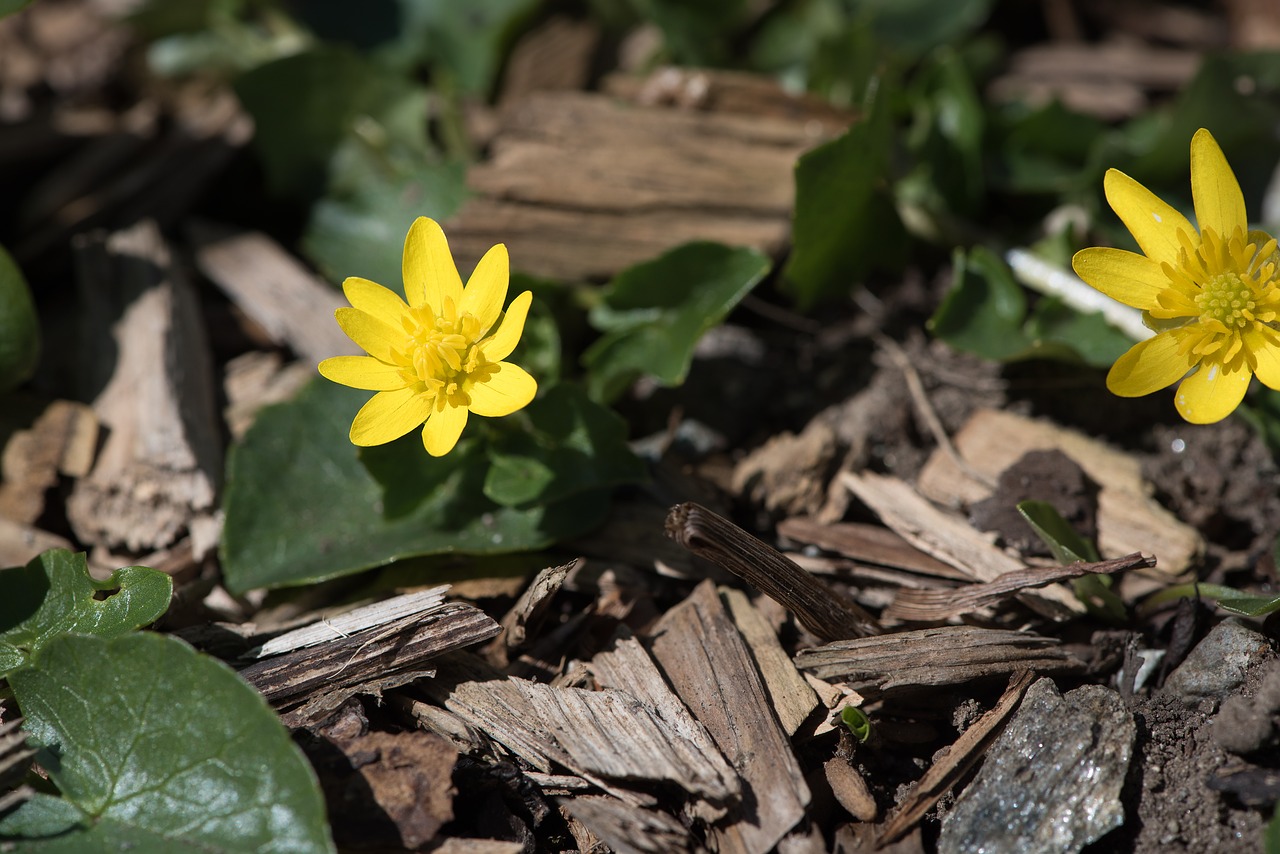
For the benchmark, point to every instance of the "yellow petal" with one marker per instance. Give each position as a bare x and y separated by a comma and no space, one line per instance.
363,372
1131,278
1268,356
375,337
387,416
1211,395
1148,366
506,390
442,429
486,290
499,345
429,271
1219,202
376,301
1152,223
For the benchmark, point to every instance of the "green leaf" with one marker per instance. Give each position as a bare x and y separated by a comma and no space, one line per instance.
1066,545
1250,606
303,504
54,595
19,326
464,41
305,105
857,722
654,313
573,445
1045,150
8,7
696,33
159,748
985,313
913,27
844,223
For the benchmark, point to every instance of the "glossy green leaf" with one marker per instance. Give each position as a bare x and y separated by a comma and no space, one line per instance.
654,313
54,595
844,224
303,504
159,748
19,326
572,445
857,722
1063,542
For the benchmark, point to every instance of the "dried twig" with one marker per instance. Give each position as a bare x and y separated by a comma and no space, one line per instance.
930,605
822,610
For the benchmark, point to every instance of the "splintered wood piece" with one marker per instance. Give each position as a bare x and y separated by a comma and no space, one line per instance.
710,668
293,305
822,610
61,441
949,538
527,614
955,761
1129,519
626,828
929,605
627,667
349,623
947,655
608,737
867,543
582,185
793,699
151,379
397,648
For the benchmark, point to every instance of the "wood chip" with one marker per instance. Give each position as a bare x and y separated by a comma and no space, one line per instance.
19,542
850,789
1129,519
955,761
930,605
61,441
398,648
947,655
821,609
710,668
948,538
793,699
291,303
868,543
629,829
152,385
356,620
529,611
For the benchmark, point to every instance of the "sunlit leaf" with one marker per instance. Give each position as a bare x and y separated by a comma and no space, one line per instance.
654,313
54,595
155,747
303,504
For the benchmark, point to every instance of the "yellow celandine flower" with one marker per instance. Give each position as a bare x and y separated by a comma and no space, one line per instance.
438,356
1213,296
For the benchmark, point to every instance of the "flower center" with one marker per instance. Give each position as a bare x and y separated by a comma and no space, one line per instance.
444,358
1227,299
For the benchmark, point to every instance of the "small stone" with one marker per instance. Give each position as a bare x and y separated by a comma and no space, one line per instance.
1051,782
1218,665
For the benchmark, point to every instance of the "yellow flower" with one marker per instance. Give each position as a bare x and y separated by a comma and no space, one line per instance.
1212,296
437,357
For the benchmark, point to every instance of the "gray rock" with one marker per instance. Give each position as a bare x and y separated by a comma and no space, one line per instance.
1051,782
1217,667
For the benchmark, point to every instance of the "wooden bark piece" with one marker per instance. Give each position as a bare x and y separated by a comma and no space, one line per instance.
628,829
867,543
792,698
948,655
365,657
291,303
627,667
158,472
949,538
348,623
1129,519
710,667
582,185
61,441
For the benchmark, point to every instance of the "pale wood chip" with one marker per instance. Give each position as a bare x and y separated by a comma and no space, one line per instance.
710,667
793,699
868,543
61,441
955,761
930,605
352,622
949,538
528,612
947,655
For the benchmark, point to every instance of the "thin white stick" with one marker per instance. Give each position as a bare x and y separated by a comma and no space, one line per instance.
1041,276
356,620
